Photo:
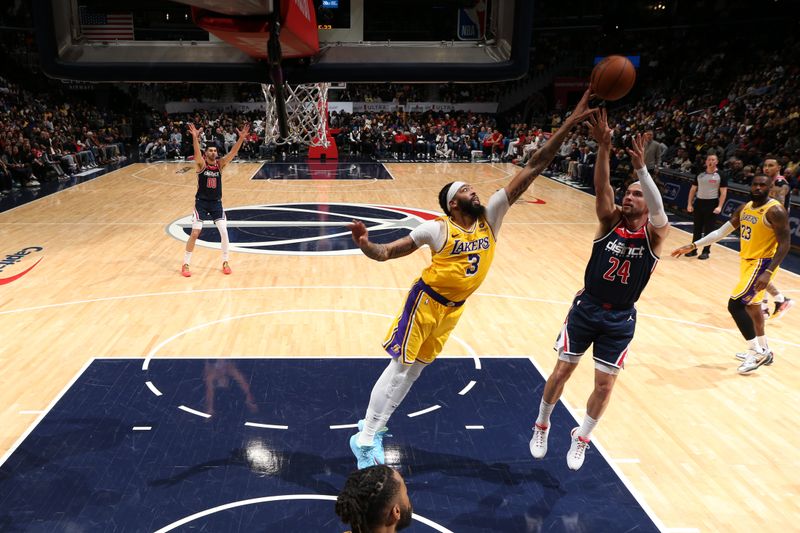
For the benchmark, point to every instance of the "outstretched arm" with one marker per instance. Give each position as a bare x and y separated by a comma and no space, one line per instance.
712,237
542,157
605,207
652,196
235,150
380,252
198,153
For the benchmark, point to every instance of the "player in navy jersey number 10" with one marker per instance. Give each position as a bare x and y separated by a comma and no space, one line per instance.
624,254
208,200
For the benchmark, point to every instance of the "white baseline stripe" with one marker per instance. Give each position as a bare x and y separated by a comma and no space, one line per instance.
474,427
41,416
265,426
194,412
467,388
142,428
344,426
424,411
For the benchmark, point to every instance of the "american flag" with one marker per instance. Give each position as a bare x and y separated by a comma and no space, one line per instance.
106,26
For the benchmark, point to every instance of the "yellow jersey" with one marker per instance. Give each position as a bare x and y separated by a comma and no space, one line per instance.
459,268
757,239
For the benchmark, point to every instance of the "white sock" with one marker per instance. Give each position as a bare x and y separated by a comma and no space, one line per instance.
779,298
222,226
187,258
762,342
586,428
753,344
387,395
544,413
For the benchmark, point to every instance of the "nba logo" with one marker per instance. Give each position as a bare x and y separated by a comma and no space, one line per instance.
472,22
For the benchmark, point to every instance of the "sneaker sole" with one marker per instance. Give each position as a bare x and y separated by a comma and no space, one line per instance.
766,362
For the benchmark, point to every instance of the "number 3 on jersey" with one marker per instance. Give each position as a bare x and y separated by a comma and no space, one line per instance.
473,259
618,269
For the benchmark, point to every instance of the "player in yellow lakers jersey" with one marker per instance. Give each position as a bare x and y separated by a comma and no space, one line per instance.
764,241
462,244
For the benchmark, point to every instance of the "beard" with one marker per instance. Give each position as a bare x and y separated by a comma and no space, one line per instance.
473,210
405,518
758,197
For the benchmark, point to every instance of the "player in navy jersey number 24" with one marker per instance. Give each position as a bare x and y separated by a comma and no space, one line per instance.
208,200
624,254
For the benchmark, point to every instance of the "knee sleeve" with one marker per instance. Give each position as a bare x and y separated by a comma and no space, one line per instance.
738,311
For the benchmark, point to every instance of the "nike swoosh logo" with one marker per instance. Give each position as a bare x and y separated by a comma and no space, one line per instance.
4,281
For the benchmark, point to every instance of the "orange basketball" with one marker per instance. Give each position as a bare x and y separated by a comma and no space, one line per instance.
613,77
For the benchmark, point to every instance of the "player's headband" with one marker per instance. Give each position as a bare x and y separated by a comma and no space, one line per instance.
451,192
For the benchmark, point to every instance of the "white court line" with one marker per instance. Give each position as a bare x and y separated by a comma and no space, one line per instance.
467,388
152,388
31,412
142,428
602,451
424,411
361,287
151,354
284,497
344,426
474,427
70,188
41,416
194,412
265,426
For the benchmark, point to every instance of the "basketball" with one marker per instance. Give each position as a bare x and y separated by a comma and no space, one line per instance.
613,77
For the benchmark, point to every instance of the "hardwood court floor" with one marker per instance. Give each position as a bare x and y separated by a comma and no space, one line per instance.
705,447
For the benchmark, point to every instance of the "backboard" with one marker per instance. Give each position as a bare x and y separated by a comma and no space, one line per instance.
226,40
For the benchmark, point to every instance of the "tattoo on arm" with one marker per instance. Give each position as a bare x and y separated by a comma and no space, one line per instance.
516,191
384,252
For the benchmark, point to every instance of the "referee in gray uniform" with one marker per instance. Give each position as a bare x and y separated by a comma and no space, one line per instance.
711,189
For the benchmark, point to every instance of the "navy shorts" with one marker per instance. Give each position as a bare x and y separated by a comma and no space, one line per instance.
590,322
208,210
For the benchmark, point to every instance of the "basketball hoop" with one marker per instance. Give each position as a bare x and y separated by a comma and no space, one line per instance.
306,108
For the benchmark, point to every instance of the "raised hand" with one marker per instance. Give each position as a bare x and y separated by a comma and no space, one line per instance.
244,131
194,131
360,233
637,151
598,127
582,110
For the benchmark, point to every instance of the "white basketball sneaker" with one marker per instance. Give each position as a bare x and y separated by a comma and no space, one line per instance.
539,441
741,356
754,360
577,450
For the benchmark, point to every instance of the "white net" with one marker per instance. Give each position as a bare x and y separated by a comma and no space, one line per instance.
306,110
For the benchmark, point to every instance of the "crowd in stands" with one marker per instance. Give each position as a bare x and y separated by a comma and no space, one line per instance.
48,136
694,94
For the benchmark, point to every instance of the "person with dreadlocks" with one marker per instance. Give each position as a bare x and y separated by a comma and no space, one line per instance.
375,500
462,244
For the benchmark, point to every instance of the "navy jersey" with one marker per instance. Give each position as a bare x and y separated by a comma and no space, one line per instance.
620,266
209,183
